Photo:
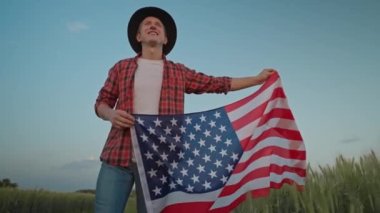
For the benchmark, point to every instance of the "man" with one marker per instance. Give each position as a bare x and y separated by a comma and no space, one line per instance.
146,84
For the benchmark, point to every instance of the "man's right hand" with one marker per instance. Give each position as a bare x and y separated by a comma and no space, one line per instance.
118,118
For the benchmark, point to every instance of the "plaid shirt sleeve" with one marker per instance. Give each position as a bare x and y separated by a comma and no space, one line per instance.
198,82
109,93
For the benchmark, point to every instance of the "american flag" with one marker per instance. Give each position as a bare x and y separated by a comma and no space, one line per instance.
208,161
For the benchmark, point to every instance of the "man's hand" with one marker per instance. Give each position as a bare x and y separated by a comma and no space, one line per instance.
265,74
120,119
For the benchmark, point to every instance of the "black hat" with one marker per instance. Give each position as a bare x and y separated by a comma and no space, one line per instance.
163,16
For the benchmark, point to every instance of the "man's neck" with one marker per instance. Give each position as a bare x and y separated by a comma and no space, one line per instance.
152,53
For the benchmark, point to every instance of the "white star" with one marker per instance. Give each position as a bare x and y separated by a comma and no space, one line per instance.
203,118
152,172
223,152
182,129
172,147
200,168
217,114
207,133
155,147
235,156
162,139
164,179
157,191
189,188
188,120
212,148
184,172
144,137
206,158
190,162
172,185
173,121
140,121
148,155
223,179
222,128
174,164
207,185
181,155
217,138
228,142
212,174
196,152
164,156
159,163
195,178
192,136
170,172
230,168
212,124
167,130
218,163
157,122
202,142
177,138
197,127
151,131
186,145
179,181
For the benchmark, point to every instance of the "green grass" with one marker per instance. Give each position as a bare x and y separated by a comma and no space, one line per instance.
348,186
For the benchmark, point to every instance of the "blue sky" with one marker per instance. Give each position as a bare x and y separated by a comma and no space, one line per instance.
55,56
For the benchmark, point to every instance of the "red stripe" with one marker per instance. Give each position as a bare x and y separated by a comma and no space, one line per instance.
232,205
188,207
260,173
276,113
271,150
292,135
265,191
288,134
258,111
273,78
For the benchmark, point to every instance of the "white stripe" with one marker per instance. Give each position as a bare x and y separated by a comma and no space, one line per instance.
247,130
254,103
256,184
273,141
274,122
265,162
181,197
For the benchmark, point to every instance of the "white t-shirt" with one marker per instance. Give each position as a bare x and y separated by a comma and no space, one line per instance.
147,86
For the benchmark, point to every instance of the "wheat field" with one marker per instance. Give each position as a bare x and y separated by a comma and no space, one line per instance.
350,185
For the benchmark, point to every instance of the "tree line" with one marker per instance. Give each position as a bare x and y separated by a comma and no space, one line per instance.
7,183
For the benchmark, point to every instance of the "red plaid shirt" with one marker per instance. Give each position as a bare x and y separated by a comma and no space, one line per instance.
118,90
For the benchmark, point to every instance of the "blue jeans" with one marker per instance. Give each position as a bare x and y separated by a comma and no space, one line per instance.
114,186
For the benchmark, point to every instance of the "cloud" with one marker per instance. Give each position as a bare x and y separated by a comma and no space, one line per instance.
76,26
353,139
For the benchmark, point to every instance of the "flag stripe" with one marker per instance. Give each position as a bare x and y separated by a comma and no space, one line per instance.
256,112
271,151
272,141
270,82
258,183
260,173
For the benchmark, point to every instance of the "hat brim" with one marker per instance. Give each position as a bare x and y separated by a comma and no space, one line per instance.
163,16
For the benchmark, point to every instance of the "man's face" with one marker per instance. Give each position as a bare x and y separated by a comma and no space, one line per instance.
152,32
